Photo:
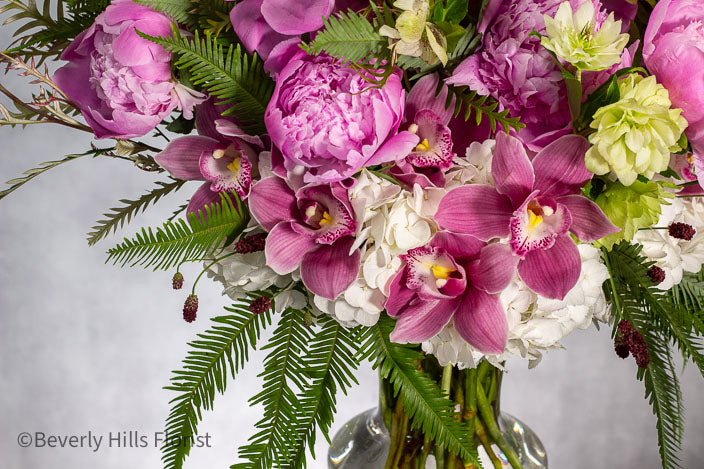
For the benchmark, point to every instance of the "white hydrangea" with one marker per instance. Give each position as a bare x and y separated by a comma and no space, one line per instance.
242,274
535,323
474,168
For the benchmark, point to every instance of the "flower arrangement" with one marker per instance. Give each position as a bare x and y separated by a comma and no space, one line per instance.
433,186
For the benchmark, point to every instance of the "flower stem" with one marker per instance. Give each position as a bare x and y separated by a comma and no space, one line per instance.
487,415
480,431
445,384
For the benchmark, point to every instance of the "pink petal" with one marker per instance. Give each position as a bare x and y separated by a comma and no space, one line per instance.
457,245
285,248
399,294
559,167
395,148
481,321
422,321
552,272
252,29
511,168
422,96
202,197
301,16
272,201
330,269
588,221
181,156
494,269
477,210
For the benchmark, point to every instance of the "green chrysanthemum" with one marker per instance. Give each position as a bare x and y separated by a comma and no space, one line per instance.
636,134
577,38
632,207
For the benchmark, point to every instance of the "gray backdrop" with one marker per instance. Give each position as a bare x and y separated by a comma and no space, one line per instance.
86,346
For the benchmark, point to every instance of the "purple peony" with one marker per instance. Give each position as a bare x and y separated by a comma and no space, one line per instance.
122,83
512,66
673,50
327,118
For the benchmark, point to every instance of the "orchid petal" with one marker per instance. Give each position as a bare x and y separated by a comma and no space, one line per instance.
422,320
203,197
181,157
285,248
330,269
301,16
588,221
423,96
494,269
399,294
477,210
511,169
559,167
552,272
457,245
272,201
396,148
481,321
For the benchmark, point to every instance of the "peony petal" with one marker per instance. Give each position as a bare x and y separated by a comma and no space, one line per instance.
494,269
481,321
422,320
181,156
588,221
511,168
285,248
457,245
330,269
477,210
272,201
301,16
252,29
559,167
552,272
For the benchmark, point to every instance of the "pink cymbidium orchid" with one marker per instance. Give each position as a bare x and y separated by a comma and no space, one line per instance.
428,118
457,277
221,155
535,204
313,228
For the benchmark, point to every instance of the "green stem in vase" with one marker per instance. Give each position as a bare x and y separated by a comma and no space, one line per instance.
445,384
480,432
394,431
471,411
492,428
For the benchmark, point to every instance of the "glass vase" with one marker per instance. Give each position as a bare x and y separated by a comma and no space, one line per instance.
381,438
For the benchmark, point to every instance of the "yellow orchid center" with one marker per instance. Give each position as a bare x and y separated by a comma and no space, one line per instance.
536,213
535,219
217,154
442,273
423,146
235,165
326,220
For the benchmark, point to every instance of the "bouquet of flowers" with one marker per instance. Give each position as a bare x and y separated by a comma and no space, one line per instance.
431,185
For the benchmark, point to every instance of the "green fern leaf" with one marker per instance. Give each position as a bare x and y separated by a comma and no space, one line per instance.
481,106
180,10
348,36
231,76
332,364
117,217
284,371
225,346
428,408
179,241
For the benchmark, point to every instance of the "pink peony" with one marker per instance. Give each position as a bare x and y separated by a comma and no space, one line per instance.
121,82
325,117
512,66
673,50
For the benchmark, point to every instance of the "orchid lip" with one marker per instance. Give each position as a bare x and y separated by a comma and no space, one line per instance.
537,223
227,168
434,273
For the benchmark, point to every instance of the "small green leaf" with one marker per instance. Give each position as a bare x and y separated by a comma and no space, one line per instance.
451,11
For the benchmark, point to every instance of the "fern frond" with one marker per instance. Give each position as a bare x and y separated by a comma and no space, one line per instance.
42,168
482,106
178,241
284,371
117,217
231,76
225,346
179,10
349,36
428,408
331,363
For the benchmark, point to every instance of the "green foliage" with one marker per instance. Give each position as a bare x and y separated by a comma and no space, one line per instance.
459,47
117,217
180,10
222,348
349,36
452,11
331,365
178,241
284,371
232,76
426,405
482,106
658,318
209,15
43,167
